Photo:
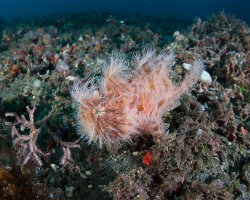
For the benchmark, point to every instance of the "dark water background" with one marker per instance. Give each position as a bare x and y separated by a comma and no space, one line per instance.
187,9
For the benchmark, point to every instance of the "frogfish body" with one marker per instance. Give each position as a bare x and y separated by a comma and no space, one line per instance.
127,105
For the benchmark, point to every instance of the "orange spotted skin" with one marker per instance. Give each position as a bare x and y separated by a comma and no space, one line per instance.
127,106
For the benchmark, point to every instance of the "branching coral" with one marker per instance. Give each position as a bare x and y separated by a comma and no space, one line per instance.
26,145
129,105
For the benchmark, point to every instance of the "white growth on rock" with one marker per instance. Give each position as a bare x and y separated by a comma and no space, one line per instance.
205,76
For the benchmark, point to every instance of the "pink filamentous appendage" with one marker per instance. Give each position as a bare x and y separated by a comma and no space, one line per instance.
127,105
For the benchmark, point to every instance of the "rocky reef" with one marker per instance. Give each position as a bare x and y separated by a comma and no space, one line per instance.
204,150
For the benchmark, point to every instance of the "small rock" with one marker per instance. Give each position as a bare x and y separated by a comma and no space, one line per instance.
69,188
90,186
83,176
88,173
205,77
80,38
176,33
199,132
54,167
186,66
71,78
69,191
37,83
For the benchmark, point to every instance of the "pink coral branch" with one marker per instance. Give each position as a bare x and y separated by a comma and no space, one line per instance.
26,144
67,159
